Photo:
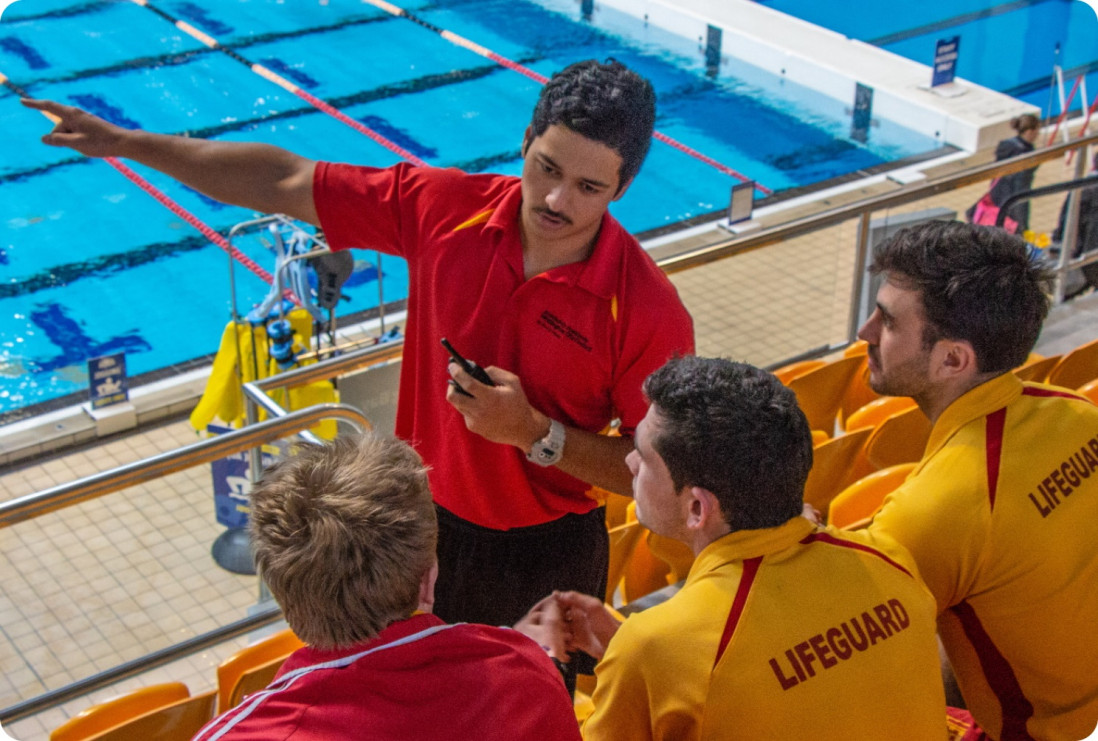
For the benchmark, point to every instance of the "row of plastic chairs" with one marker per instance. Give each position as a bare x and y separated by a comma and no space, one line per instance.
881,439
830,392
168,711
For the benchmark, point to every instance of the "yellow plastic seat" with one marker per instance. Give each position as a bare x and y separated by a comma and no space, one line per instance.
676,554
616,505
163,712
833,467
582,705
623,541
855,505
1036,367
858,394
877,411
1090,390
644,573
788,372
253,667
1076,367
820,392
900,438
857,348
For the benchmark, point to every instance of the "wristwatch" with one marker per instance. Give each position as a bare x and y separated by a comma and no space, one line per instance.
548,450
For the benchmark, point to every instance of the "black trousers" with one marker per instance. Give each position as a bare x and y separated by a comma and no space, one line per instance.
496,576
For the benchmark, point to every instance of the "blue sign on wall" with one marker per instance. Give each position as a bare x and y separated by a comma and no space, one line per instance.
945,61
107,380
231,484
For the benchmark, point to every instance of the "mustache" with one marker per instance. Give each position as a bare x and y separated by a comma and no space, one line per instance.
552,214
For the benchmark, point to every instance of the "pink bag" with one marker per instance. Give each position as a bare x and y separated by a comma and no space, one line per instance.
986,212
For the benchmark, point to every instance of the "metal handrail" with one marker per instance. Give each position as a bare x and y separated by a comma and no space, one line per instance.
332,367
904,195
211,449
82,687
106,482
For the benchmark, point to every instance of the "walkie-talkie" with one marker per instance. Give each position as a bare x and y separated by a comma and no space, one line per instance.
468,366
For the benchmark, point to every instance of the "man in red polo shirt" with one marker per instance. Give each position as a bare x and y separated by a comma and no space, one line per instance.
531,278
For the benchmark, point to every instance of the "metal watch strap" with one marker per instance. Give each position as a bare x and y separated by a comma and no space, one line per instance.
548,450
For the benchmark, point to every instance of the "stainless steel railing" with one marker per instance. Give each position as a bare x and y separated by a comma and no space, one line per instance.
116,479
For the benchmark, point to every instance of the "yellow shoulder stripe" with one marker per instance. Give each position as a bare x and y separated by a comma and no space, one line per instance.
480,218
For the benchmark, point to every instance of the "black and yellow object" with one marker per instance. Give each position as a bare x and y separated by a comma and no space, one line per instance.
244,357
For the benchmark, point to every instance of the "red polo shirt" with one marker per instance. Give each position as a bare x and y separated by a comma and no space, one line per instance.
582,337
420,680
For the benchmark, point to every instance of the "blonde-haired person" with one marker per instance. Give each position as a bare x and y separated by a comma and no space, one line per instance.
344,535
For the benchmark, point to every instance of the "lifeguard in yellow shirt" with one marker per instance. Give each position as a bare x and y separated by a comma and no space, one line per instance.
783,629
1001,513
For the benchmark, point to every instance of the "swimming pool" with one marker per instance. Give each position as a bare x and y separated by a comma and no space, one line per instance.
1010,47
93,265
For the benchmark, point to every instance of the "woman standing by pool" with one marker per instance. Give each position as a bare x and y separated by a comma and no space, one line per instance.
986,209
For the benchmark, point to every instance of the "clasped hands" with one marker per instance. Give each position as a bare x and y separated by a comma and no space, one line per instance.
566,622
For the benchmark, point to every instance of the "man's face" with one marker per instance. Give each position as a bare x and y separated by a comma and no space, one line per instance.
659,506
568,181
899,364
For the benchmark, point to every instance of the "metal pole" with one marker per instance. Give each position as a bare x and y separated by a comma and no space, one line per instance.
861,259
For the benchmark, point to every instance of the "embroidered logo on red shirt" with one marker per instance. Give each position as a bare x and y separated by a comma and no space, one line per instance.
560,329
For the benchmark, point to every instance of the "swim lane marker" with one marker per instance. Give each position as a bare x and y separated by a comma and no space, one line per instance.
515,66
283,83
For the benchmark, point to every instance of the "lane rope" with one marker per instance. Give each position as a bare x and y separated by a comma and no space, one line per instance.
283,83
515,66
205,229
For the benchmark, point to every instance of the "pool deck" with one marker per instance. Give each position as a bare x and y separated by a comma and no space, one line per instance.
961,114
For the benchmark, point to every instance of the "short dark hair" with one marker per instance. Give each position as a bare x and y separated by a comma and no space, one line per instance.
343,534
735,430
978,284
606,102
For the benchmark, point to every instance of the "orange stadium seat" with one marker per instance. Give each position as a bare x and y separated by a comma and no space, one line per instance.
788,372
855,505
900,438
623,542
877,411
164,712
1090,390
644,573
858,394
833,467
1076,367
1036,367
253,667
820,391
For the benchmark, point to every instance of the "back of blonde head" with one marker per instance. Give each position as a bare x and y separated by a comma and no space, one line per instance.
343,534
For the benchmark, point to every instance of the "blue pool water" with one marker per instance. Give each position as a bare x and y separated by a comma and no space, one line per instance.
1006,46
93,265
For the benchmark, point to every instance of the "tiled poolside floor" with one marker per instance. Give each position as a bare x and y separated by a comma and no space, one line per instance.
88,587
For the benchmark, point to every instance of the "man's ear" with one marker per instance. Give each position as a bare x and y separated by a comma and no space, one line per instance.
427,588
703,509
527,137
622,189
955,360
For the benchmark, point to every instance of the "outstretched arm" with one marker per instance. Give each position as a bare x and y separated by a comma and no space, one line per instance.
255,176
